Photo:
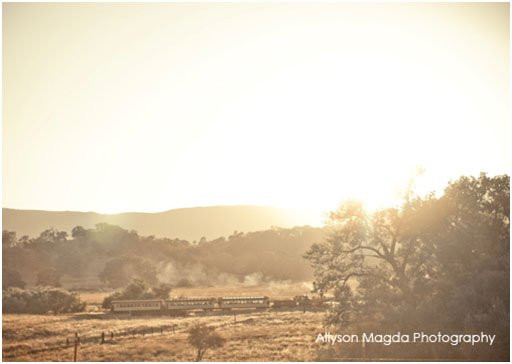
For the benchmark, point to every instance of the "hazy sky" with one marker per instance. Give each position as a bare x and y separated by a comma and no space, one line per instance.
148,107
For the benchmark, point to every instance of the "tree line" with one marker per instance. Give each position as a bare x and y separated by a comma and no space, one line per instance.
112,256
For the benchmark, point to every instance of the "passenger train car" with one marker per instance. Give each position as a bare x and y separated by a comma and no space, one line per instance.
228,303
187,304
138,306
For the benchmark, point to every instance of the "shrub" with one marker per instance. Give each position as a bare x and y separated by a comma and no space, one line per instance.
138,290
41,300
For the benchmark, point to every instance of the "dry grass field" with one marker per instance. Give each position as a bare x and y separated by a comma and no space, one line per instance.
256,335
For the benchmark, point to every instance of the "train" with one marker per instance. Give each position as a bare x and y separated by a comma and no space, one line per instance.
182,306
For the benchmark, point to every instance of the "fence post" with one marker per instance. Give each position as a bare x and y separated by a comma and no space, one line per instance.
102,338
76,347
111,335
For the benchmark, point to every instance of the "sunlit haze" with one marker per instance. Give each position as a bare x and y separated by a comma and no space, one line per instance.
149,107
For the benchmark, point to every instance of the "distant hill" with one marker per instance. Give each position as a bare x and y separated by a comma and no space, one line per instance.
187,223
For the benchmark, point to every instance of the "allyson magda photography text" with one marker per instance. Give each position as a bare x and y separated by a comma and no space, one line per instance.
421,337
255,182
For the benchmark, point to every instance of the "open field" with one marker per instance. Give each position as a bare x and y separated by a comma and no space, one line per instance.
256,336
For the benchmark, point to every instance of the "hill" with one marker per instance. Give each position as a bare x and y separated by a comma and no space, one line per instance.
186,223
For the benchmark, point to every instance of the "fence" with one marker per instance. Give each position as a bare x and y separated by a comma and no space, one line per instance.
101,338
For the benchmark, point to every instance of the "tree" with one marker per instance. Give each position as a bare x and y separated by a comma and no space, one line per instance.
473,252
438,262
136,290
48,277
12,278
163,290
202,338
8,238
53,236
381,250
119,271
78,232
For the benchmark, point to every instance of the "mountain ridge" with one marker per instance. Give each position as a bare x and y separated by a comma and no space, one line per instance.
189,223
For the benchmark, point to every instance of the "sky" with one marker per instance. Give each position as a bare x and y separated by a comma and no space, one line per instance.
149,107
